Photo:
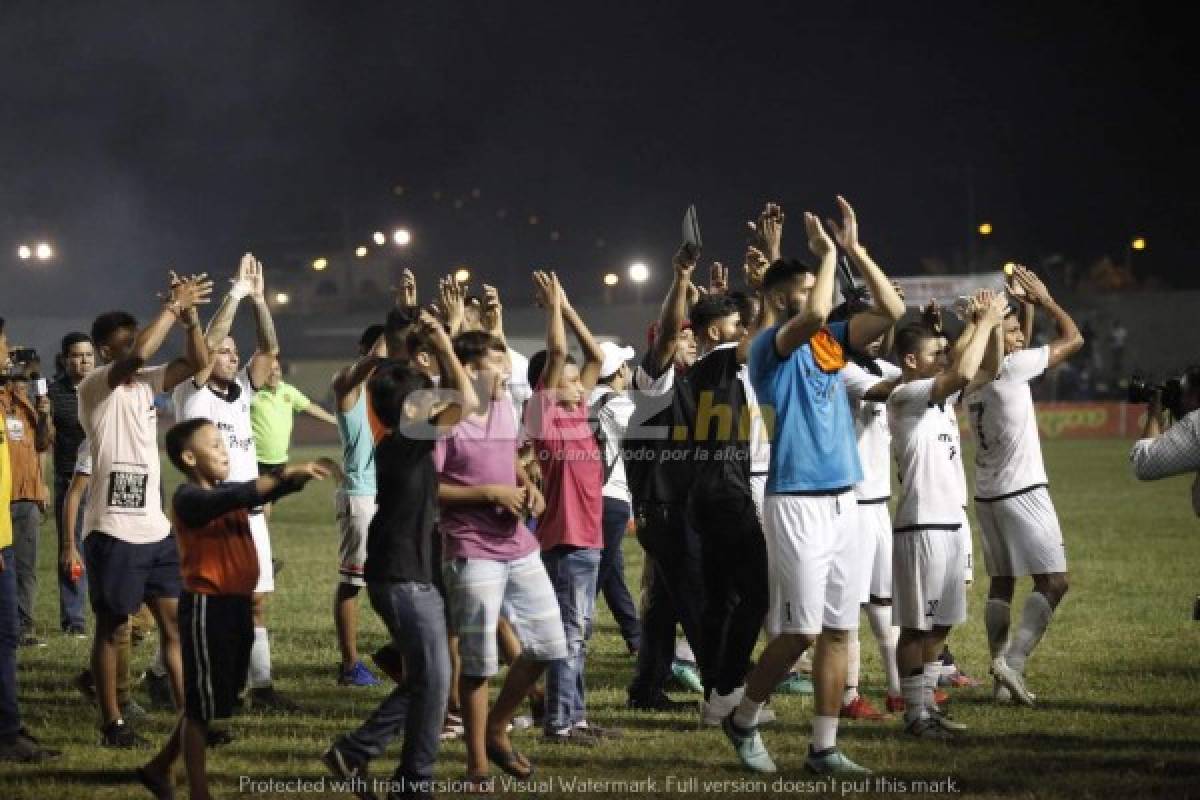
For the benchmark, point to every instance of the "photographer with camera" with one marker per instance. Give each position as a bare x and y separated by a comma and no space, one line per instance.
29,431
1157,454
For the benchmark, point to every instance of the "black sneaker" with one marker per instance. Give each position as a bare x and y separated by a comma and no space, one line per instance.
659,703
22,748
118,735
158,689
350,772
267,699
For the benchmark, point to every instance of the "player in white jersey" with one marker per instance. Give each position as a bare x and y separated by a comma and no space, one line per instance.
1019,527
867,391
929,593
223,395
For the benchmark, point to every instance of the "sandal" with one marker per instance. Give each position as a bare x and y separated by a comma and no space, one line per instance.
510,762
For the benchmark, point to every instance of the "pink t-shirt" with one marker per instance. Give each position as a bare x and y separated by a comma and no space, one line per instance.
572,473
479,451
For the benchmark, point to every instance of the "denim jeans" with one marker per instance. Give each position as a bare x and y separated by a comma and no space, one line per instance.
611,577
416,619
572,572
10,716
26,522
72,596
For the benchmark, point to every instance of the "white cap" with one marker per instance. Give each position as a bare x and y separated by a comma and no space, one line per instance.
614,357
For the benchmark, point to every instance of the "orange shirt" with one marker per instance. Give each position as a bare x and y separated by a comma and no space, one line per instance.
20,420
216,548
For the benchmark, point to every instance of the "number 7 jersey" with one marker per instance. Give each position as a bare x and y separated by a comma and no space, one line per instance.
1008,449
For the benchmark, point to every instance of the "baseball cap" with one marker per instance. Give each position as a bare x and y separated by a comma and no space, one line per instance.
614,357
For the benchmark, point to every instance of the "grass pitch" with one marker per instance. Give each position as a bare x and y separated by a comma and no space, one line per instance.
1117,678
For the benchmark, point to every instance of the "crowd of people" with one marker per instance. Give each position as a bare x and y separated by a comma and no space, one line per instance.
483,499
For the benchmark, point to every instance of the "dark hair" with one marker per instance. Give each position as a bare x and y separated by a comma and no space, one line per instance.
709,309
390,387
369,337
909,338
470,346
72,339
537,365
178,439
784,270
848,308
414,343
397,320
109,323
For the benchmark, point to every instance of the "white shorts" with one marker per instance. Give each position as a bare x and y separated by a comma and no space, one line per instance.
354,513
927,579
262,545
478,590
758,490
968,546
813,573
876,526
1021,535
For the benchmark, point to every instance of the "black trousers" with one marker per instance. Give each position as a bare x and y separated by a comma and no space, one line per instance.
675,596
734,566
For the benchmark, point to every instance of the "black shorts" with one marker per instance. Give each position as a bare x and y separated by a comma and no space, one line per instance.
216,633
122,576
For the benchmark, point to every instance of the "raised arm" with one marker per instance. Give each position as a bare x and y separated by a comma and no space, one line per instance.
491,316
593,356
462,399
802,327
347,383
454,303
993,359
548,295
966,365
150,338
887,307
196,355
674,312
259,368
1069,339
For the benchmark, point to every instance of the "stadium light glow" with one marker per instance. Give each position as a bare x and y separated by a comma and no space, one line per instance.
379,238
24,253
639,272
611,279
44,252
282,298
985,229
1138,244
320,264
401,237
361,251
462,274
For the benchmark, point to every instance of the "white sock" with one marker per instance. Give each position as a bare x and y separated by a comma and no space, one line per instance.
933,669
260,661
996,616
824,733
683,651
886,635
745,716
913,688
1035,617
853,667
158,668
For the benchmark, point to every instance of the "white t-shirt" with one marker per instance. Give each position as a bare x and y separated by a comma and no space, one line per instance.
614,417
83,458
1008,453
121,425
231,416
871,425
928,458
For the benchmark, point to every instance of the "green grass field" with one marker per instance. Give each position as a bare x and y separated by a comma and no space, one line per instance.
1118,680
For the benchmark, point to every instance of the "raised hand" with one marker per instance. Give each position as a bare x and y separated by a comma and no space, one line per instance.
997,307
818,240
242,284
491,315
684,263
1031,285
847,233
931,315
187,293
718,279
545,291
767,233
258,281
755,265
453,301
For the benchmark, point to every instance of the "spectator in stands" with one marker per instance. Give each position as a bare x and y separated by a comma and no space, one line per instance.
77,359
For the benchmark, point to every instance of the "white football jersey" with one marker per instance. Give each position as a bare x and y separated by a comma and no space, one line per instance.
1008,452
231,416
871,425
932,490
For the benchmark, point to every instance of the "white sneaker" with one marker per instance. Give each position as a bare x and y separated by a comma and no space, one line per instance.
1013,681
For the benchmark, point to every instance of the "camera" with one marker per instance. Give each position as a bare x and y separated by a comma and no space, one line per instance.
23,356
1142,390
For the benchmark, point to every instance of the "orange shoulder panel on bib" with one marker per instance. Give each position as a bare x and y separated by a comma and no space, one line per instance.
827,351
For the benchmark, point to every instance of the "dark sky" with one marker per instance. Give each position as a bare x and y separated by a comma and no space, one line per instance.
139,135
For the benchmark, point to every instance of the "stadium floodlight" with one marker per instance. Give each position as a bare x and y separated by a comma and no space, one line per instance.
462,274
1138,244
44,252
361,251
320,264
611,279
282,298
380,238
639,272
24,253
401,237
985,229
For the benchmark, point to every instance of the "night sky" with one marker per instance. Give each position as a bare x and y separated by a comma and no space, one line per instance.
138,135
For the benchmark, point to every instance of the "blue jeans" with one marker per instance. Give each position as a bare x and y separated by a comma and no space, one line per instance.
26,523
572,572
10,715
416,619
611,577
72,596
